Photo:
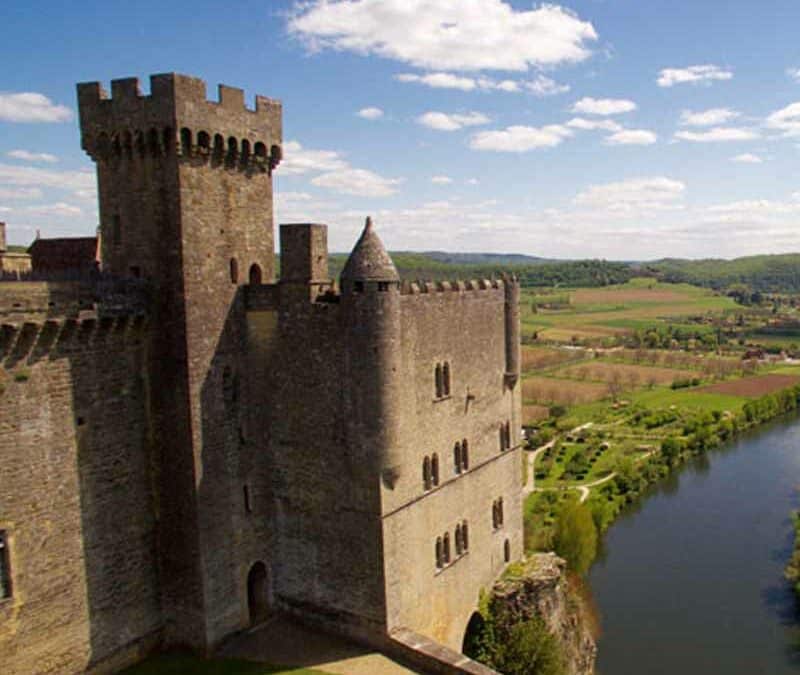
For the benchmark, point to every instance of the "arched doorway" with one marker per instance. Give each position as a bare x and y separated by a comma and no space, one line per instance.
257,593
255,275
473,636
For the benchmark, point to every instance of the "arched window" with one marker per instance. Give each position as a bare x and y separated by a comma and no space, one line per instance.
168,140
446,378
465,536
439,553
446,547
457,457
219,147
255,275
426,473
203,140
116,146
153,146
245,151
234,271
458,540
507,550
438,380
500,512
186,142
465,454
260,150
232,149
435,469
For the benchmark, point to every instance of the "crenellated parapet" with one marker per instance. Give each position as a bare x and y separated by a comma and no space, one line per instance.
177,120
30,341
457,286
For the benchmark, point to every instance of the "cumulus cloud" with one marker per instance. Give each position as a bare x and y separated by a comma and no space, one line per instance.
520,138
28,156
786,120
793,73
29,176
371,113
747,158
718,134
632,137
707,118
442,34
451,122
20,193
299,160
31,107
440,80
594,125
441,180
603,106
703,74
544,86
359,182
656,193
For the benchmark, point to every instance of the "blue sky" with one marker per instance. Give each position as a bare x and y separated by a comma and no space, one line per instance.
599,128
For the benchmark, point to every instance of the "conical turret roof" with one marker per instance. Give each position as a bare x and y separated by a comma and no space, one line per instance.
369,260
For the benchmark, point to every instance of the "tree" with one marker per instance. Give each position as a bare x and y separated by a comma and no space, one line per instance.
529,649
670,448
575,537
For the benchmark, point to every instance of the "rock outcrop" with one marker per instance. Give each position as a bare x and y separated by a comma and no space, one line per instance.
540,587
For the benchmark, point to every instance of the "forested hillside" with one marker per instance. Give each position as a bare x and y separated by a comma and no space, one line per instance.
762,273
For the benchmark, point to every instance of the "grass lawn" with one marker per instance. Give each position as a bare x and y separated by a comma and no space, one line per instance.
182,664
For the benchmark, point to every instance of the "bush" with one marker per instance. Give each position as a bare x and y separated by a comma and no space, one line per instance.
529,649
575,537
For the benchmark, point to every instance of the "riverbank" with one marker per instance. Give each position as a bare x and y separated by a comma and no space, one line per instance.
606,454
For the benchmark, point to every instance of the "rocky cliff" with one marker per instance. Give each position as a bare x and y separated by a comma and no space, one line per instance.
539,587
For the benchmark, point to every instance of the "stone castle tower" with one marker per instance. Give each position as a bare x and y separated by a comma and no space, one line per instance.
227,444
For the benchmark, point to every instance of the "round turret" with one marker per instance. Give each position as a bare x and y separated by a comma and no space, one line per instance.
369,261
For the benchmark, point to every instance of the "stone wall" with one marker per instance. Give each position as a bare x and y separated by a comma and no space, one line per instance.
78,496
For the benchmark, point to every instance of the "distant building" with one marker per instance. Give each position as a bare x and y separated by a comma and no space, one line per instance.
68,254
189,443
13,264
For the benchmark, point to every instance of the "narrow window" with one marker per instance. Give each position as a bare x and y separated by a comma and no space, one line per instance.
186,142
494,515
383,286
508,435
426,473
458,540
260,150
152,142
5,568
446,378
435,469
502,438
438,380
245,151
439,553
255,275
457,457
465,454
358,287
500,512
234,271
446,547
169,140
219,147
248,507
232,149
465,536
507,550
203,140
116,146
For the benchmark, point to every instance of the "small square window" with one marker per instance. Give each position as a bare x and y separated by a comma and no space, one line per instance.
5,571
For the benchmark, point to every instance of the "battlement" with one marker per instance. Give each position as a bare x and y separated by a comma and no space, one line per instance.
457,286
177,119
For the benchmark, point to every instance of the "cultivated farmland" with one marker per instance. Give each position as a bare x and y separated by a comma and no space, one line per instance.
753,387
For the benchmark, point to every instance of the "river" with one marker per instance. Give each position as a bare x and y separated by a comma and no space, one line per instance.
690,580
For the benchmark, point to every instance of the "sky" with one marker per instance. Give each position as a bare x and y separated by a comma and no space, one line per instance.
618,129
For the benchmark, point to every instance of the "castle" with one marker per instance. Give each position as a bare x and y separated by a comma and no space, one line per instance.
188,443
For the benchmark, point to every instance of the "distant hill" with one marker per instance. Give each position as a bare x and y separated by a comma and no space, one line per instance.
763,273
486,258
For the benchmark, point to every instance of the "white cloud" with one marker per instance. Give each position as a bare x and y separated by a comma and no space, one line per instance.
57,209
472,181
603,106
520,138
28,156
371,113
31,107
594,125
632,137
440,80
299,160
707,118
441,180
451,122
544,86
444,34
793,73
704,74
786,120
747,158
20,193
359,182
718,134
28,176
639,194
